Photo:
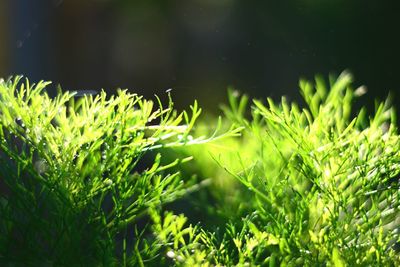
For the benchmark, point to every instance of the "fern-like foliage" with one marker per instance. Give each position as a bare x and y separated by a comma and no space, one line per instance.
320,184
83,180
71,174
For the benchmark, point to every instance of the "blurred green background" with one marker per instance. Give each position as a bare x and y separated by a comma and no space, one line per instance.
200,47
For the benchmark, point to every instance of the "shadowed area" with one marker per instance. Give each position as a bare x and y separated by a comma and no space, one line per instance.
199,48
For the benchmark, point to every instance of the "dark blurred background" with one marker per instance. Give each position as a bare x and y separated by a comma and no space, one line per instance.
200,47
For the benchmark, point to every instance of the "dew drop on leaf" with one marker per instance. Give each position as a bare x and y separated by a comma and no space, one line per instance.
171,254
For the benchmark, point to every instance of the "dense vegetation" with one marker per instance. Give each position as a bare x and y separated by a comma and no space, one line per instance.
88,180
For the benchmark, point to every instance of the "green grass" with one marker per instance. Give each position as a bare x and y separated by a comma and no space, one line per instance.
85,181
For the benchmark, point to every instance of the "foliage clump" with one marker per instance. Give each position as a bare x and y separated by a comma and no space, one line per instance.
300,187
72,174
320,184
